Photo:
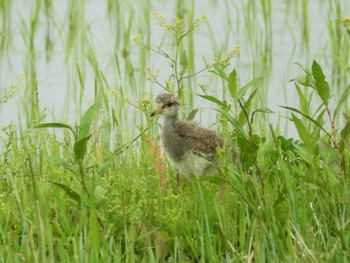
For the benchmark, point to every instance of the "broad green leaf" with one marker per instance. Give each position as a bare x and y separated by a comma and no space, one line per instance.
248,150
242,91
85,122
215,100
343,99
303,132
242,117
304,153
232,84
71,193
305,80
220,73
322,86
234,123
302,100
63,163
192,114
308,117
286,144
54,125
80,148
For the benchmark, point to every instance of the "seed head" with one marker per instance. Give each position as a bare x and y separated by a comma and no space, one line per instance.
137,38
236,50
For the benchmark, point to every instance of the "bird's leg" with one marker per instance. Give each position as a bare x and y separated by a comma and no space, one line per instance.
177,177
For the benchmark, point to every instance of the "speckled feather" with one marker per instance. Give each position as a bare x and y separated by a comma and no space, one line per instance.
198,140
183,140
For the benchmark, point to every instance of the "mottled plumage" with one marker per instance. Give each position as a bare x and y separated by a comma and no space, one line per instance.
190,147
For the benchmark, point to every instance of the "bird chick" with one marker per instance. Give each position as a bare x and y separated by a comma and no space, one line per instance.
190,147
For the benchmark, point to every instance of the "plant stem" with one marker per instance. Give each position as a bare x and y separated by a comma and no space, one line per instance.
247,117
334,134
82,178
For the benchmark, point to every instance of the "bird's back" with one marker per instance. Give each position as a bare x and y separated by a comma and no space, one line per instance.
189,146
199,140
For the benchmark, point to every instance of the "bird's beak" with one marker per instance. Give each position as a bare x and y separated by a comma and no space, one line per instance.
157,111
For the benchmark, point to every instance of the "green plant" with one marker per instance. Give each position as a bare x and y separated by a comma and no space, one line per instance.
311,137
10,93
81,137
239,114
179,60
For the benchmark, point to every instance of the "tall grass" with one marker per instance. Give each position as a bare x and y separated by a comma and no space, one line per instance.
6,36
95,187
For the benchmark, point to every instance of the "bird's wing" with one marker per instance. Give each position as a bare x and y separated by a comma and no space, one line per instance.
199,140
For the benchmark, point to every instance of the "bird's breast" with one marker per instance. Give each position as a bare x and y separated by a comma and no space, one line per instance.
174,147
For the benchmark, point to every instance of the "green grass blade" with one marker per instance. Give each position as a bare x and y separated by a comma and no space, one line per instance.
63,163
55,125
303,133
215,100
234,123
303,104
262,110
308,117
344,97
220,73
71,193
242,91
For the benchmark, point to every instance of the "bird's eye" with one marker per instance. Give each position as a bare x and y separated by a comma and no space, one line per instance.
169,104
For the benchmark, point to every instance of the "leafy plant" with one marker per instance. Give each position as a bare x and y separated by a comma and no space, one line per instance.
179,61
314,78
81,137
241,118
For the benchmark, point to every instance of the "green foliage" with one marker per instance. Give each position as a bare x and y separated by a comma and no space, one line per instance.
85,122
72,194
343,99
321,84
55,125
246,141
80,148
232,84
345,134
81,138
95,195
313,139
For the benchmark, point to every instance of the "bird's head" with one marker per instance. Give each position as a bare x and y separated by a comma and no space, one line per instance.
167,105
